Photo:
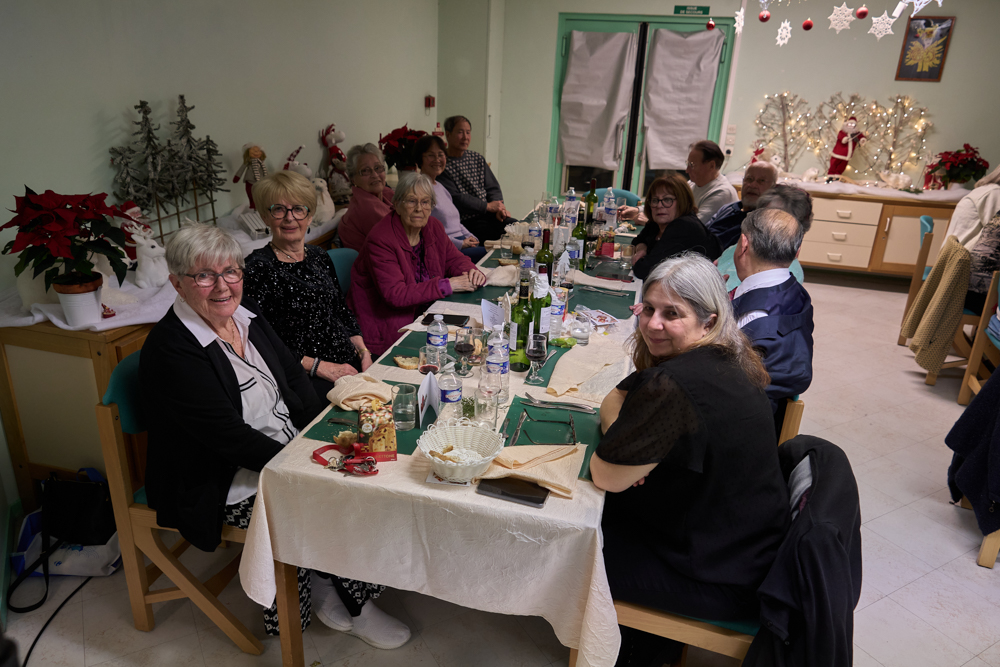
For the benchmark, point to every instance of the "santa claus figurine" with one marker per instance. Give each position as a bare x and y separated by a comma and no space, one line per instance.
848,139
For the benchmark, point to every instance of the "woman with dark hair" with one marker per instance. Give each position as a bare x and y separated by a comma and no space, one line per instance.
697,505
673,225
431,157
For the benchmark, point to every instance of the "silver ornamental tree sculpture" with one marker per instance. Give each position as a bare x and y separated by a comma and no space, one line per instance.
785,124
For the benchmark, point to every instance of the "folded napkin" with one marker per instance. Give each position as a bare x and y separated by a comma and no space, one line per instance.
503,276
353,392
583,362
553,467
580,278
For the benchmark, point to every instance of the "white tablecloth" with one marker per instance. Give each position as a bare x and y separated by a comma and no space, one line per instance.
447,542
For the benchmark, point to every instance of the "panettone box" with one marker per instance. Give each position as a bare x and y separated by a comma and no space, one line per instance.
377,431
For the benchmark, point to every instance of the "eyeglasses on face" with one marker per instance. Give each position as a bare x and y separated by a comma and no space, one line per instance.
209,278
368,171
666,202
298,211
412,204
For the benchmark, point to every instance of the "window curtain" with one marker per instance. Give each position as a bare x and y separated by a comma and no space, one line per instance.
680,84
596,97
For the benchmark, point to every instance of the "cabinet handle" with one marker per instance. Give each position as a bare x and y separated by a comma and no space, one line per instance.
834,256
844,214
888,222
839,236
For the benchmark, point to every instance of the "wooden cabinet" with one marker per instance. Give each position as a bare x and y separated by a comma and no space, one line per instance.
898,239
52,378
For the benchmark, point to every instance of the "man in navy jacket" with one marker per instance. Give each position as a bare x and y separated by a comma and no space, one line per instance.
770,305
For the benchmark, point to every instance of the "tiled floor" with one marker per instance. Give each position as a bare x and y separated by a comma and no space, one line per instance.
925,602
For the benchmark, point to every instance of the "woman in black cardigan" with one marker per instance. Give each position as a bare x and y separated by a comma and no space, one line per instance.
697,504
673,225
222,395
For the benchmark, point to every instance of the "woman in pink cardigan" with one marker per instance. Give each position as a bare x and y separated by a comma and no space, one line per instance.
407,263
371,199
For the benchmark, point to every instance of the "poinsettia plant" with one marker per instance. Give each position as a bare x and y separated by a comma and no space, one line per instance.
959,166
397,146
58,235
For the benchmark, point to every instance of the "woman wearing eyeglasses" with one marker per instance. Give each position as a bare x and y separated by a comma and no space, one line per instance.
673,225
407,263
371,199
222,396
297,288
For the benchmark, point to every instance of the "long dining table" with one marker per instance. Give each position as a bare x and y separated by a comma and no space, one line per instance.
449,542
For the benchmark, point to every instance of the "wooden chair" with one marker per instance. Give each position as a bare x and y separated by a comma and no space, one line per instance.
793,419
920,269
138,532
984,344
990,547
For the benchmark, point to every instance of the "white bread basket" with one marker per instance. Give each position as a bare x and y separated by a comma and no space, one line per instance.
460,434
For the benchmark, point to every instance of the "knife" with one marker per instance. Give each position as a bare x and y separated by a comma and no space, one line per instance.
517,431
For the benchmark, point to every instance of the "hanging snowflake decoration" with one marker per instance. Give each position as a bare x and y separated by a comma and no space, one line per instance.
841,18
917,6
882,26
784,32
739,22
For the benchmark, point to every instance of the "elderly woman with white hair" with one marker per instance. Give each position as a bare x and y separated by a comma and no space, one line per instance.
697,504
371,198
407,263
222,396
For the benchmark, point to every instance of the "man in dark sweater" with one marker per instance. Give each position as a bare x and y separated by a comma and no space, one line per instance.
770,305
724,226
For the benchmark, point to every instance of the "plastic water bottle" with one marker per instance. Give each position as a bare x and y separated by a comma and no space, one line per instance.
571,212
498,359
437,332
610,210
527,260
553,211
535,230
451,394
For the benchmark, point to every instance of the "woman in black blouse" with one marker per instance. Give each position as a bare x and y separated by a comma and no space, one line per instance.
673,225
697,504
296,285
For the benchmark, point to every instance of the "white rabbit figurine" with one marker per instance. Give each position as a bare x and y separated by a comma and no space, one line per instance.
152,268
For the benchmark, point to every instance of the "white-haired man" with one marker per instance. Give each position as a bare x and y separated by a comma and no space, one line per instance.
724,226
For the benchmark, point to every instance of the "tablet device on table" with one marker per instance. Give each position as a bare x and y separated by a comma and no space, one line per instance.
450,320
514,490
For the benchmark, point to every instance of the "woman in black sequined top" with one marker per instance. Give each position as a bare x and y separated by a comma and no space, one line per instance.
297,288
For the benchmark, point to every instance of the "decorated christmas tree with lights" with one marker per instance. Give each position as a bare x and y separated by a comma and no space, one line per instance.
786,126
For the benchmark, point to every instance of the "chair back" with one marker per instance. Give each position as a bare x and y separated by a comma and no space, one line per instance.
343,259
926,226
631,198
123,389
727,266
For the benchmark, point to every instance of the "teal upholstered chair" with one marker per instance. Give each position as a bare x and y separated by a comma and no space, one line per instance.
139,534
343,259
726,266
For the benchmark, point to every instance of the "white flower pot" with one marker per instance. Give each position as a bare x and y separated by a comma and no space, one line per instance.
81,304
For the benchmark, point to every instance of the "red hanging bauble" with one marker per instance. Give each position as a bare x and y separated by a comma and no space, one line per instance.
807,24
764,16
862,12
711,24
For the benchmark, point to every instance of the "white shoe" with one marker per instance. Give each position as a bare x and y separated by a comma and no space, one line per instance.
379,629
328,606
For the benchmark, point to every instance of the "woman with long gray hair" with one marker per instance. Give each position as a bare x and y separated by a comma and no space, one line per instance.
697,504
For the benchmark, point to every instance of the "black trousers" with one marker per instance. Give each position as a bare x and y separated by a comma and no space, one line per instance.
637,575
486,227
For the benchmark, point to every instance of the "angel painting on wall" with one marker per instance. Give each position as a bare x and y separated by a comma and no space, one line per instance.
925,48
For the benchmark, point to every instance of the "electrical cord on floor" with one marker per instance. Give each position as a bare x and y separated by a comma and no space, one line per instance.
39,635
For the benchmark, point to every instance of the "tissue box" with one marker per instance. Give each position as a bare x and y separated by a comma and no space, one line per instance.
377,432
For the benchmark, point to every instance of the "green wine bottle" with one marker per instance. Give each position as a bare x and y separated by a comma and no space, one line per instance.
590,201
520,323
541,302
545,257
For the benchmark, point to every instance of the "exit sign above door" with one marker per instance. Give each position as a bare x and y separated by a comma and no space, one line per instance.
691,9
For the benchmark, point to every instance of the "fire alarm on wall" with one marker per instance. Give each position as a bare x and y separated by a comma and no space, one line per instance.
429,102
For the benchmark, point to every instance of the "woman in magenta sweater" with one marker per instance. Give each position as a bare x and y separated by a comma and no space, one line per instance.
407,263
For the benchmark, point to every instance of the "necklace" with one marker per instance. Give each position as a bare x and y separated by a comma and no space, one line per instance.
271,243
234,337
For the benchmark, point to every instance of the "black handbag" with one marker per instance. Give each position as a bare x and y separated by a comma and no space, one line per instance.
73,512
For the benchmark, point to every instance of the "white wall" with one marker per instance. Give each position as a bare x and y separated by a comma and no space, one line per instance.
463,68
814,64
274,73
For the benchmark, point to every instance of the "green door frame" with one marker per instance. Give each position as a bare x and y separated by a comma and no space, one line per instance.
630,23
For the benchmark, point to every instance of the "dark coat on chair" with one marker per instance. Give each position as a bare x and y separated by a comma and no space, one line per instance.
975,466
197,435
784,336
809,595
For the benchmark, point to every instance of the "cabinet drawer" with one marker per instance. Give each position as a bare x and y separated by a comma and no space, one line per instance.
835,254
842,210
842,233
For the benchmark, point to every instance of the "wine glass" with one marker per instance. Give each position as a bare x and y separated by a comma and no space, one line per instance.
536,355
465,346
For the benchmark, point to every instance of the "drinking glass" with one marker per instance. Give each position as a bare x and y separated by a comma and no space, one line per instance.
619,202
506,246
479,342
625,262
535,352
580,330
430,359
486,408
404,406
465,345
